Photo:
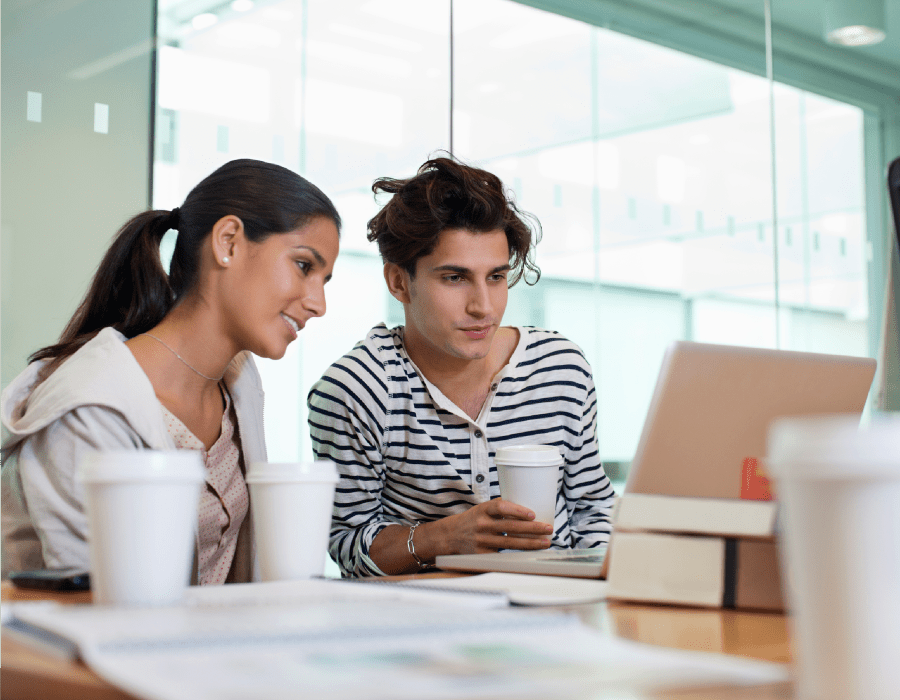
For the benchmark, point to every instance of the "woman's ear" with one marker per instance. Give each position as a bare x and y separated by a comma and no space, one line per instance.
227,239
397,282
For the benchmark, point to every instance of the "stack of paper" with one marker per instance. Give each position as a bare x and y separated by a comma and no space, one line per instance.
525,589
315,639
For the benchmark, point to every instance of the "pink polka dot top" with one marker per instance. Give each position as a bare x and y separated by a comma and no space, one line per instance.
225,501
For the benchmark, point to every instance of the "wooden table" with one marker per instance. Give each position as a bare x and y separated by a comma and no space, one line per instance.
27,673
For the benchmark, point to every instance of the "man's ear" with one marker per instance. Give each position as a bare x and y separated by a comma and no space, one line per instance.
397,282
227,239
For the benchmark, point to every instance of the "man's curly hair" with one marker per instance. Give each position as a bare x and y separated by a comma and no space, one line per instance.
447,194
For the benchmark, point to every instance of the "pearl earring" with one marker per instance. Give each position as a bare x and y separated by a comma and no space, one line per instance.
225,260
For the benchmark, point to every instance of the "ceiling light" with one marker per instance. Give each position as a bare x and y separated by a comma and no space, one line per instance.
242,5
204,20
854,22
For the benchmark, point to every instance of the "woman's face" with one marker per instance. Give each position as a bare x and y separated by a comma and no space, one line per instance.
279,286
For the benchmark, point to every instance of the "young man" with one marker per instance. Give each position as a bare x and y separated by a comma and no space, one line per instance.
412,416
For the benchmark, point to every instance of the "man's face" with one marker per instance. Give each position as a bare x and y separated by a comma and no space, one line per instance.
455,302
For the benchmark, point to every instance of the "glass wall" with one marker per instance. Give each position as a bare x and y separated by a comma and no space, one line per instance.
650,169
340,92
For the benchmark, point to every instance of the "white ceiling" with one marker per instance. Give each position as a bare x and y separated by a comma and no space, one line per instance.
804,17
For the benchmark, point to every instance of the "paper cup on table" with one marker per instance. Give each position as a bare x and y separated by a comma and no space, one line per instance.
142,522
291,505
528,476
839,486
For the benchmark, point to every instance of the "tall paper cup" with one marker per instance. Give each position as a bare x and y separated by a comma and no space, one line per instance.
142,523
291,506
839,486
528,476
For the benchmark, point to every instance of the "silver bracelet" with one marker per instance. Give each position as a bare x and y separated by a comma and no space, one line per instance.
411,548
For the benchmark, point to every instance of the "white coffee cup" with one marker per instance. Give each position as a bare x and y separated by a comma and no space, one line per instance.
839,486
291,505
528,476
142,509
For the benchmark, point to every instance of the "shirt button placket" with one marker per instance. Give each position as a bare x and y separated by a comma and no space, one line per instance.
479,464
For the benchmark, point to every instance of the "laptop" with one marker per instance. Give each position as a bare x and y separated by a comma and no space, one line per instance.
707,421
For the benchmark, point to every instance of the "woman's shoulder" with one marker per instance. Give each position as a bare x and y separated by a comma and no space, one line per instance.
97,367
101,373
242,371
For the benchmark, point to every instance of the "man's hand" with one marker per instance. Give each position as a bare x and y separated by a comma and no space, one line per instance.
488,527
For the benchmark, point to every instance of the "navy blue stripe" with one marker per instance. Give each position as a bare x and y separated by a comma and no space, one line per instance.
381,426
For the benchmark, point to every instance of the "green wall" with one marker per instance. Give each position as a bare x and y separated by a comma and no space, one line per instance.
65,187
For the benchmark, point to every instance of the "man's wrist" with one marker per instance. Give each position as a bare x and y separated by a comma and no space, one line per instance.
427,541
411,546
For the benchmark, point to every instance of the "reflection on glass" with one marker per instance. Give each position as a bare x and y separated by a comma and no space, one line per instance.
651,173
649,169
340,92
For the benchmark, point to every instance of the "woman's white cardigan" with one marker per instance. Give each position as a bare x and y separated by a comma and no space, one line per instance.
98,399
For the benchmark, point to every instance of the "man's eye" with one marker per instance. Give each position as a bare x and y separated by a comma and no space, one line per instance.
453,278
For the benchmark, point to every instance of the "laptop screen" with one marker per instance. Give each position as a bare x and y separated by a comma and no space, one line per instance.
705,431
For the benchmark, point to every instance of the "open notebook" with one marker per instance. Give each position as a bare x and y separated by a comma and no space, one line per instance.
707,422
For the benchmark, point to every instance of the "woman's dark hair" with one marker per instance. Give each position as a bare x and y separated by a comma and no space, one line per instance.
132,292
446,194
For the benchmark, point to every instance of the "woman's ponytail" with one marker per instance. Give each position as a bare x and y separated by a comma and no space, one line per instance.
130,290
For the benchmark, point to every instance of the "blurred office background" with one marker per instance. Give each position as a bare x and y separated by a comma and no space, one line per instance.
709,170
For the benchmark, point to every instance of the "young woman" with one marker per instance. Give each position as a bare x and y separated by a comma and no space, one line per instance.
162,361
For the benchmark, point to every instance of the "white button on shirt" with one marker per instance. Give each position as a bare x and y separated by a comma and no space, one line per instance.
479,448
405,453
224,502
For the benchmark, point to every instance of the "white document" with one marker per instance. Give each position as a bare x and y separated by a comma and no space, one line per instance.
527,589
445,592
267,642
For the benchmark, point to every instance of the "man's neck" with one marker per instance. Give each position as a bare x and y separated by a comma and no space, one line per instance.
467,382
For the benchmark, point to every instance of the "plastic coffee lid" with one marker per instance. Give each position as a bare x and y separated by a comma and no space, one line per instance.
834,447
284,472
118,466
528,456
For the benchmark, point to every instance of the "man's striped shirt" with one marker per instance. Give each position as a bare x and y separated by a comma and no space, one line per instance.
406,453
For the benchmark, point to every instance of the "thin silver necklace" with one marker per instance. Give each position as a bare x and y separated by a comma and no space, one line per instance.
186,363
